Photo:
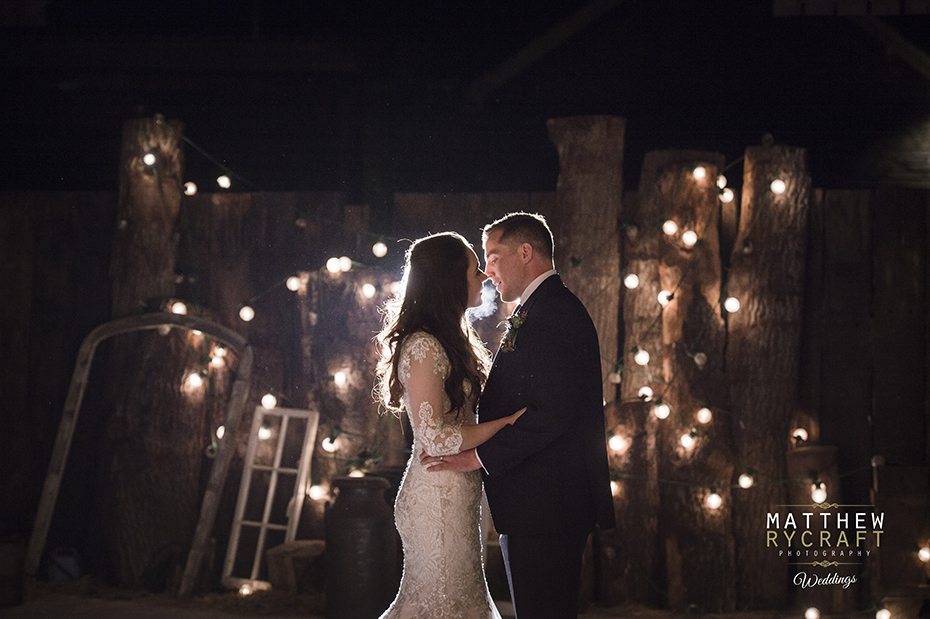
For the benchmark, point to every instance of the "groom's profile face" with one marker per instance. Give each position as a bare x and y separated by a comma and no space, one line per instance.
504,267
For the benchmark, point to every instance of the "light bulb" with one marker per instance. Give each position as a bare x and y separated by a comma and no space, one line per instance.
617,443
731,304
190,188
699,172
269,401
356,473
614,488
745,480
811,613
721,181
368,291
727,196
379,249
148,159
264,433
345,263
223,181
292,283
661,411
246,313
645,393
800,434
689,238
883,613
194,380
924,554
818,492
615,378
664,297
713,500
778,186
704,415
317,492
178,308
340,378
687,440
700,359
332,265
329,444
245,590
631,281
221,432
669,227
641,357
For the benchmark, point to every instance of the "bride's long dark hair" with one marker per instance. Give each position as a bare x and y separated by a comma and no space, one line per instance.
435,300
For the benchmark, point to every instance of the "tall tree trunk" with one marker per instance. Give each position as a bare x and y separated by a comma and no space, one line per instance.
585,221
153,451
767,277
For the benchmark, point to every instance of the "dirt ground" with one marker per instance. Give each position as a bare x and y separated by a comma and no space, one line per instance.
87,599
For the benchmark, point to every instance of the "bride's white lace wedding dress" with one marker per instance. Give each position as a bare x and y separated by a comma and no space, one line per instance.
437,514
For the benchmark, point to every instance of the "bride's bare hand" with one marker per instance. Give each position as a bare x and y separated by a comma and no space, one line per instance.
516,415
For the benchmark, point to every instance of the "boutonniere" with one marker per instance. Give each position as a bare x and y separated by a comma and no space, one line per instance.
511,325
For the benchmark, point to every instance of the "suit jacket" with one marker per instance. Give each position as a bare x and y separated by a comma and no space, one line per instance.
548,473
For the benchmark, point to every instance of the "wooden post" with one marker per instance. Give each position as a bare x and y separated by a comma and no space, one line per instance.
153,451
767,277
585,222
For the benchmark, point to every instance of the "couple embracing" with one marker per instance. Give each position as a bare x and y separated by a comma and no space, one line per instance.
537,440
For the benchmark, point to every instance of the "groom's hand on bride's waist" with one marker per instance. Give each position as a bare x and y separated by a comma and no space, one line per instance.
461,462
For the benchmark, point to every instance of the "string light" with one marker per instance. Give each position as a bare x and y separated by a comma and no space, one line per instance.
190,188
332,265
669,227
615,378
221,432
379,249
700,359
330,444
245,590
148,159
292,283
345,264
883,613
687,440
661,411
178,307
631,281
746,480
664,297
269,400
731,304
645,393
194,380
617,443
799,434
223,181
721,181
689,238
368,291
217,359
713,500
699,173
727,196
340,378
924,554
778,186
317,492
246,313
704,415
356,473
264,432
641,357
818,492
811,613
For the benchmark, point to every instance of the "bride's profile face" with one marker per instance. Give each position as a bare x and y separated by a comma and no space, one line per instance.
476,278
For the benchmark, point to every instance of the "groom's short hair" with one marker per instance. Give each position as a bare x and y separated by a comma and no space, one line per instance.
523,228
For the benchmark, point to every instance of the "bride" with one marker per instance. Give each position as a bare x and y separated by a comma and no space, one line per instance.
433,367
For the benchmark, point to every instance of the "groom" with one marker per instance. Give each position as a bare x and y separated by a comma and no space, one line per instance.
545,476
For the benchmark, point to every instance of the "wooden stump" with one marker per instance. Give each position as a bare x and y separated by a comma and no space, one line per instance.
767,277
585,222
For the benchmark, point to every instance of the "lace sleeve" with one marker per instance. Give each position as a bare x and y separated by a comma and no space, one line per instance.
423,371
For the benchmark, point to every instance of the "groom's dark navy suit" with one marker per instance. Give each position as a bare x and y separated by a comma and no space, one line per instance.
546,476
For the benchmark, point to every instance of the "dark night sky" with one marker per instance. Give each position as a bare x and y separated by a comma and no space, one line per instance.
392,113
